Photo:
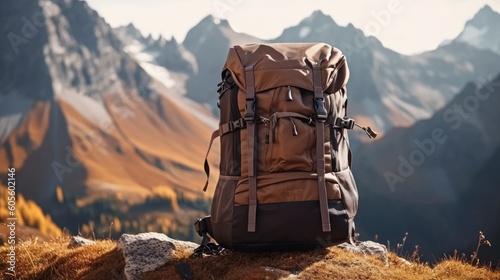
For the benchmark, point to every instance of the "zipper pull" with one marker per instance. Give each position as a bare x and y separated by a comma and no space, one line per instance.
273,126
294,128
289,96
266,122
370,132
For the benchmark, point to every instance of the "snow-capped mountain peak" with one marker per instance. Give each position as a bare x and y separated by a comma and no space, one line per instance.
481,31
484,17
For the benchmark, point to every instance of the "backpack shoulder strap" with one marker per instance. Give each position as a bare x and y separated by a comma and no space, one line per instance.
321,115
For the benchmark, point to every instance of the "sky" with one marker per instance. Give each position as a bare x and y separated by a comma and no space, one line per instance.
406,26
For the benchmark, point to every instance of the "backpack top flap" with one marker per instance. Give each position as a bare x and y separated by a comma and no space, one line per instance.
287,64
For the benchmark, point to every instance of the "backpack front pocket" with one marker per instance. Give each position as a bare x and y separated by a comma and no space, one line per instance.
291,145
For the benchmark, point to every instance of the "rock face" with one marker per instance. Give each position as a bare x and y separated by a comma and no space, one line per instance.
78,241
368,248
147,251
80,114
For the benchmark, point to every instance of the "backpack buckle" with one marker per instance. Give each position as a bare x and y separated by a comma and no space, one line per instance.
201,227
319,105
250,110
237,124
344,123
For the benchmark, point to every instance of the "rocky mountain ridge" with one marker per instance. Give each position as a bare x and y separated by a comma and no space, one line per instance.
89,131
386,89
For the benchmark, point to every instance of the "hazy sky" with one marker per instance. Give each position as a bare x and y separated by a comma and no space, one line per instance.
407,26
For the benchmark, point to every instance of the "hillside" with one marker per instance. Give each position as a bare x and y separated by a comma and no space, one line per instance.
80,115
437,179
54,260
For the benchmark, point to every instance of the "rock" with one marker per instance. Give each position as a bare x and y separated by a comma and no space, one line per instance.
280,273
369,248
147,251
78,241
350,247
375,249
404,261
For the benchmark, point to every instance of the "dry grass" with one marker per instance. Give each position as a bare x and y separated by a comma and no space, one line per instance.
54,260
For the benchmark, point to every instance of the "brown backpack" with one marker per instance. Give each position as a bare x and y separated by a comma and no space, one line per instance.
285,180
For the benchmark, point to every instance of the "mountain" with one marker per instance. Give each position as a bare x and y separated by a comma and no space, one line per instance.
130,33
481,31
436,179
193,71
487,175
166,60
387,89
209,42
390,89
175,57
80,115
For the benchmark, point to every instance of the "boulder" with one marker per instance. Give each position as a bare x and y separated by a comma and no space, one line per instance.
148,251
368,248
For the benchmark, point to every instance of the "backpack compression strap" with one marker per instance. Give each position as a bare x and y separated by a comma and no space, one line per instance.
206,166
321,115
252,145
223,129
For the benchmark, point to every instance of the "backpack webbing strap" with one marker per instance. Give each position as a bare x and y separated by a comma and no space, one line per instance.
215,134
204,229
225,128
232,126
321,115
252,144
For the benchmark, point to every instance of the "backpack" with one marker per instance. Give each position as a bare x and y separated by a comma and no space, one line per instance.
285,181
